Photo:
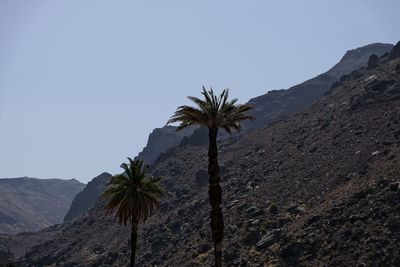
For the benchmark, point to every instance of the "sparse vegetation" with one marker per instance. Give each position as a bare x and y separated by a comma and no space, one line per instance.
273,209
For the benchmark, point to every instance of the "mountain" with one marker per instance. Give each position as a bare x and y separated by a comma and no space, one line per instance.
87,197
280,103
160,140
276,104
269,107
13,247
317,188
29,204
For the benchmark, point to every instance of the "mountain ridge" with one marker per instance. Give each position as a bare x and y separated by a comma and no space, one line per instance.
29,204
86,198
283,103
160,140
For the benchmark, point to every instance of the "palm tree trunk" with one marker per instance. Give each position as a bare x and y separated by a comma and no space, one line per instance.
215,196
134,235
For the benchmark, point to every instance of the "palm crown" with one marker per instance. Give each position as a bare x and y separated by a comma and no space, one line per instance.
213,112
132,194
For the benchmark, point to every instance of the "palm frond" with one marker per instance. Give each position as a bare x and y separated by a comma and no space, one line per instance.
213,112
132,194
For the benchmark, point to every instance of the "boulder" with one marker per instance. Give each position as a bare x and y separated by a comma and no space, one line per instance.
395,53
373,61
268,239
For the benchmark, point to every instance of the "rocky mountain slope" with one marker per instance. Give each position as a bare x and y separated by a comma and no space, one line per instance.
279,103
160,140
271,106
29,204
87,197
267,108
317,188
13,247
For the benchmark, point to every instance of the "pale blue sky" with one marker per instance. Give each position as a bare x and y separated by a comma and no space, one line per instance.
83,83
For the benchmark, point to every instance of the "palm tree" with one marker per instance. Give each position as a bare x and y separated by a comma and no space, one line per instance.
213,112
132,195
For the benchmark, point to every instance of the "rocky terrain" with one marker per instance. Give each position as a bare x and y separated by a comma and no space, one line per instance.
160,140
271,106
13,247
87,197
267,108
280,103
316,188
29,204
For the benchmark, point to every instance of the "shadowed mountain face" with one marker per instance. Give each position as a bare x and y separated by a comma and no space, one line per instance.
13,247
29,204
160,140
317,188
87,197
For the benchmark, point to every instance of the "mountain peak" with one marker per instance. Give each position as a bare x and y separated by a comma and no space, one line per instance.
356,58
87,197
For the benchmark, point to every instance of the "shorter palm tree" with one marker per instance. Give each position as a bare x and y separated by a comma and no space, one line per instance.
132,196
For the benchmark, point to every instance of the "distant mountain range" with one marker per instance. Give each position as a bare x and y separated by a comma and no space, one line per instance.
29,204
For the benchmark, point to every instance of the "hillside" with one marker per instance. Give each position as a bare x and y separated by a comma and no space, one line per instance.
280,103
87,197
277,104
160,140
29,204
13,247
271,106
267,108
317,188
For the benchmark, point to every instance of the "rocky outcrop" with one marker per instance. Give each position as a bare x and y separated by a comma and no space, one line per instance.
395,53
160,140
358,58
29,204
87,197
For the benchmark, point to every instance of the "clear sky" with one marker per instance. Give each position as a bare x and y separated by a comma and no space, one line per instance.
83,83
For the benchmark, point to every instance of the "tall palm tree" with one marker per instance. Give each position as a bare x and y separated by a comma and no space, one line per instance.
132,196
213,112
